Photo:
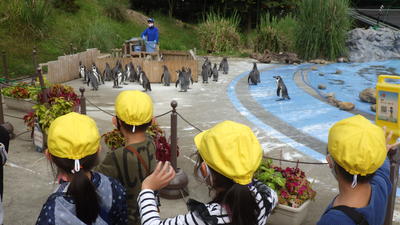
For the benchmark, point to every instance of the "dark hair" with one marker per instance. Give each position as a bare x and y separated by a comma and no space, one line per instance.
241,204
4,137
127,127
349,177
81,188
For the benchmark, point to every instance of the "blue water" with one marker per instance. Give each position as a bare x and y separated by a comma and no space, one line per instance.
354,78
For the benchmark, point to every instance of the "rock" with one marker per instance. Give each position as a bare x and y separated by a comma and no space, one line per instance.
373,45
338,72
319,61
321,74
347,106
314,68
368,95
281,57
330,95
321,86
373,108
342,60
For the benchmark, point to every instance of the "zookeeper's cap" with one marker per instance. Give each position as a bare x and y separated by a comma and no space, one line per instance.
134,107
357,145
73,136
231,149
150,20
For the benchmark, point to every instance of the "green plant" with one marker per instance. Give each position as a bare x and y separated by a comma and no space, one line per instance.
291,184
115,9
322,28
46,113
22,90
269,176
275,34
66,5
219,34
114,139
28,18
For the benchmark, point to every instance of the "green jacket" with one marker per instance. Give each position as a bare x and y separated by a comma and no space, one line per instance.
124,166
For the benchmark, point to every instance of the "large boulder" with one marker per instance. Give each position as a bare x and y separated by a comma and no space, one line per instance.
371,45
347,106
368,95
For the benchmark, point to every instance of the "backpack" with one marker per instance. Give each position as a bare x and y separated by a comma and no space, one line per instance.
352,213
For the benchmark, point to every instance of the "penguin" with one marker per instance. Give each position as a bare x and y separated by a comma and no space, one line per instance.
281,89
215,73
97,74
134,75
117,75
188,76
182,81
129,72
145,81
107,74
225,66
204,73
139,71
93,80
82,71
254,76
165,77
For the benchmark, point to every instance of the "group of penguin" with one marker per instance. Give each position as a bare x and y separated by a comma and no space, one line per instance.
94,78
208,72
281,90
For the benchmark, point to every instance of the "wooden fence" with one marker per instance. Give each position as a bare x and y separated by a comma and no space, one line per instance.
66,68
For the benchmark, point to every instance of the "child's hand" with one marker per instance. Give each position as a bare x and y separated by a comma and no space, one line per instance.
388,137
160,178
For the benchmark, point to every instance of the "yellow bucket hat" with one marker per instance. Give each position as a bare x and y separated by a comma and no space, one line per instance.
357,145
231,149
134,107
73,136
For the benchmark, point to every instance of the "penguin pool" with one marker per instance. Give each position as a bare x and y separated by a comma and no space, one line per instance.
307,113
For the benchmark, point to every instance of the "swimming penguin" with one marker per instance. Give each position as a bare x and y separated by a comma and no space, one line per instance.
215,73
166,77
107,74
145,81
281,89
182,81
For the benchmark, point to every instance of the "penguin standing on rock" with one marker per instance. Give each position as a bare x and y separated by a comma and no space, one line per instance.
281,89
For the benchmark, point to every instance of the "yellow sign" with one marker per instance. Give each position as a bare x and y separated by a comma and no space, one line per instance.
387,104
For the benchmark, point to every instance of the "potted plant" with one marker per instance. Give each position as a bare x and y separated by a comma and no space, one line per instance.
61,99
20,96
114,140
294,192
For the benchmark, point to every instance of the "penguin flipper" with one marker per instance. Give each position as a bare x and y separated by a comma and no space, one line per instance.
162,76
278,90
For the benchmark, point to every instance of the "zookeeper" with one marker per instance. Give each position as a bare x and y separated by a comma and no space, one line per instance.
150,36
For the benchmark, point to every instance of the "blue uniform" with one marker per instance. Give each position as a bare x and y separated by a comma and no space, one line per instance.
375,211
60,208
150,35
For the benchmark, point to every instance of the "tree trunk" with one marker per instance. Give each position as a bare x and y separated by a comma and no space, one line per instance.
171,5
249,20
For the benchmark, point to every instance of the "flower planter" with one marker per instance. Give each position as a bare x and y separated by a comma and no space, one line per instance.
24,105
285,215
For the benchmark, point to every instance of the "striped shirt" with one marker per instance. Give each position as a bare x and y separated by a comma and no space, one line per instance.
265,197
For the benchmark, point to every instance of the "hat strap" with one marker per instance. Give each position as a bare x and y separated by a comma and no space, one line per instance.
133,128
77,166
354,184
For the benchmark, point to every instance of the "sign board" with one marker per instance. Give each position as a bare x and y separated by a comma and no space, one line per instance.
38,138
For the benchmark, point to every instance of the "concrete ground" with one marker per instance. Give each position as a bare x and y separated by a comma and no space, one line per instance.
28,177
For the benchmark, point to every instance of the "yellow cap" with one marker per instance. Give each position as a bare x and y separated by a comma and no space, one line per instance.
231,149
357,145
73,136
134,107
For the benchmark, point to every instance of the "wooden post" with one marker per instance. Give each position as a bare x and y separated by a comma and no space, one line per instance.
5,67
174,136
71,48
42,85
83,100
394,157
177,188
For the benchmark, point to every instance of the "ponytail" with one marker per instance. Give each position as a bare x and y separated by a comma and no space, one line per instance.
81,188
242,205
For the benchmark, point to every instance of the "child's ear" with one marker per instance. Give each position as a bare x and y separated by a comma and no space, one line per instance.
114,121
329,160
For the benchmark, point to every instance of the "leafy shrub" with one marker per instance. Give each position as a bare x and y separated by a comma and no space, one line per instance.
66,5
275,34
322,28
28,18
115,10
219,34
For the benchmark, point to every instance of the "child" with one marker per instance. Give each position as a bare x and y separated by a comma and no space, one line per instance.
132,163
229,154
4,142
87,197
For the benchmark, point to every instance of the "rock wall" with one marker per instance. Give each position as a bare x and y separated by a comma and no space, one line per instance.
370,45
